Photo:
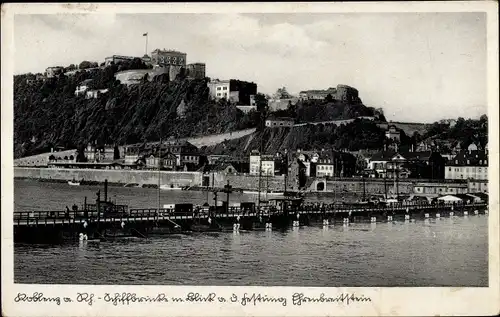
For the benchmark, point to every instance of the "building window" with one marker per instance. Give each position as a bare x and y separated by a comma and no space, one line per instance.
449,169
218,88
225,88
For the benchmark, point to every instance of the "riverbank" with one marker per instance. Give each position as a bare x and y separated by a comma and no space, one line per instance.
340,187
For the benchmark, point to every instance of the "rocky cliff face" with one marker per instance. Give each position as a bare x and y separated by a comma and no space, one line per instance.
48,114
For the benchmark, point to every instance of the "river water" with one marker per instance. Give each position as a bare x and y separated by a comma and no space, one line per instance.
434,252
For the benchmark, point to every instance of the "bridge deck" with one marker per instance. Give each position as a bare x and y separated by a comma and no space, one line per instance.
137,215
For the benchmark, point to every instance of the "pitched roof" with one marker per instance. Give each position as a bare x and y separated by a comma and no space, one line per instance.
481,195
383,156
415,156
469,158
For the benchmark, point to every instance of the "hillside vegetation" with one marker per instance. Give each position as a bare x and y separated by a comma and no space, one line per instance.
47,113
359,134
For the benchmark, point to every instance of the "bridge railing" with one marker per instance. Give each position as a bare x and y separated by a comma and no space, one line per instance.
232,212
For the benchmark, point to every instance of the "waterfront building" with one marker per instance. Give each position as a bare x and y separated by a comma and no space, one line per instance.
266,167
416,165
54,71
89,165
390,164
378,162
306,161
95,153
185,153
236,91
438,188
215,158
274,122
334,164
325,166
168,57
477,185
468,165
297,175
167,161
225,168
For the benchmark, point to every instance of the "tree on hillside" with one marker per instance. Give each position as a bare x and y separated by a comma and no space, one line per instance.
329,98
282,93
87,64
262,108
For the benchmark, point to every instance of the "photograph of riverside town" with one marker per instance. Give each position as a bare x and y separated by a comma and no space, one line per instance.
251,149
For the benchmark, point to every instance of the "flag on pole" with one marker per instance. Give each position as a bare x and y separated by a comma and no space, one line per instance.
145,34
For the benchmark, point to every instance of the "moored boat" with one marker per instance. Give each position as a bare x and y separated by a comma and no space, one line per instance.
170,187
131,185
74,183
263,193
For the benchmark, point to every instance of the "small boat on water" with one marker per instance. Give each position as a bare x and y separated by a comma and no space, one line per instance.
170,187
132,185
254,192
74,183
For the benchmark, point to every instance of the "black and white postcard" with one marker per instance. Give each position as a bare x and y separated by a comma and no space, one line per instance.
250,159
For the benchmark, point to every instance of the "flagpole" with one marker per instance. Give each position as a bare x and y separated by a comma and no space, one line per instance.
146,50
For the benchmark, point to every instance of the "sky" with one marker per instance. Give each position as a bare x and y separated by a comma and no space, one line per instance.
417,67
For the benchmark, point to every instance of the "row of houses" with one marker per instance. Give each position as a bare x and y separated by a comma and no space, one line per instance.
467,165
